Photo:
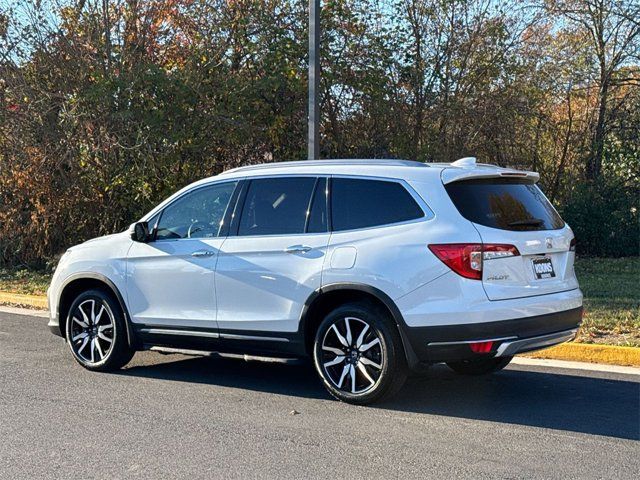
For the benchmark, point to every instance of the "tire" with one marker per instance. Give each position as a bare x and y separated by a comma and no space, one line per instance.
479,367
96,332
351,372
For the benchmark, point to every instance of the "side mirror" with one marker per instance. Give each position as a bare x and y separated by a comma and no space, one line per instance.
140,232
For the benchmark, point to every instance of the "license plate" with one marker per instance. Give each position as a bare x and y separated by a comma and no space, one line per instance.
543,268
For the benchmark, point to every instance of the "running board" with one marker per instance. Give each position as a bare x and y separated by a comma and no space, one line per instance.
182,351
203,353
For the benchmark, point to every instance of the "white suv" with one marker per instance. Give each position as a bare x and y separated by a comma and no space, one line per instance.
370,267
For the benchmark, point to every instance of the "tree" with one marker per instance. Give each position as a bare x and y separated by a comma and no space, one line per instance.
613,28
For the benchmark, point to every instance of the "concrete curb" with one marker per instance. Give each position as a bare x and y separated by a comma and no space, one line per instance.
577,352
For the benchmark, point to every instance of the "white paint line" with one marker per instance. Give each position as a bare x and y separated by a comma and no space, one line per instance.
594,367
24,311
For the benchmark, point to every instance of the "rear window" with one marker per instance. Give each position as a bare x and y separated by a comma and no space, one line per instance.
507,204
358,203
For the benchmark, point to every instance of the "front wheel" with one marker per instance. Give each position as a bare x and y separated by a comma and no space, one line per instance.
358,354
479,367
96,332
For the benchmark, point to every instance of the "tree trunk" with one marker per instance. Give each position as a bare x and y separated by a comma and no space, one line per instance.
594,163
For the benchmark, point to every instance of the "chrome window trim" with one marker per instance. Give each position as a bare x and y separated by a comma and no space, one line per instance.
428,212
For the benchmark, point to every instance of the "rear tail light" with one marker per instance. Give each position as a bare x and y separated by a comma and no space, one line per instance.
493,250
572,245
466,258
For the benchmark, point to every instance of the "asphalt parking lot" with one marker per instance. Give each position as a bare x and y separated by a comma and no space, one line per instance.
178,416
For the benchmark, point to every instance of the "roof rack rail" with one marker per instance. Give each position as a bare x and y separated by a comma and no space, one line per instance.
317,163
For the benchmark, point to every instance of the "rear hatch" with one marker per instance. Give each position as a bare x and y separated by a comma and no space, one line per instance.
508,208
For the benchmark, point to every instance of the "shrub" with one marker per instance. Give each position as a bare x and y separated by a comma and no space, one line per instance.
604,218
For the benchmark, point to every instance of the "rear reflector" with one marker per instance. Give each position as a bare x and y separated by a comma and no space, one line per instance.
466,258
481,347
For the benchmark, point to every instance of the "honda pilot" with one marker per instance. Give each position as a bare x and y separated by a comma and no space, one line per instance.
371,268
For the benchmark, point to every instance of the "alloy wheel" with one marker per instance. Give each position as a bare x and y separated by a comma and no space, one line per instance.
92,332
352,355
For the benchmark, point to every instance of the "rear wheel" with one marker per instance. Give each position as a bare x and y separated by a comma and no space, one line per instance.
358,354
481,366
96,332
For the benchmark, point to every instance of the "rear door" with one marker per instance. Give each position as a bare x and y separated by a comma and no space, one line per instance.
514,211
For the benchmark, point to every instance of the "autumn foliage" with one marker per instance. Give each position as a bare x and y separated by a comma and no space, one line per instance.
108,106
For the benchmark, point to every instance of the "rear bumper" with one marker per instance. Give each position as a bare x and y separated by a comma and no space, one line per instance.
448,343
510,348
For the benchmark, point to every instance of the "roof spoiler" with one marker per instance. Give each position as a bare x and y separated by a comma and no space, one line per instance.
468,167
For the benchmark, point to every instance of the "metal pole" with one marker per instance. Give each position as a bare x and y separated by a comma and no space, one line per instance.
313,138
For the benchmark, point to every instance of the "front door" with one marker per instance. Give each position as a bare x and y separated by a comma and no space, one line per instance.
170,280
272,262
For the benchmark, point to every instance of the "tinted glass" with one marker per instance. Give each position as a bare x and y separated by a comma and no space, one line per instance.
318,212
198,214
357,203
276,206
507,204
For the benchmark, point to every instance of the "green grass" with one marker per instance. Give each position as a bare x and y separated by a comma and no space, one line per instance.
24,281
611,287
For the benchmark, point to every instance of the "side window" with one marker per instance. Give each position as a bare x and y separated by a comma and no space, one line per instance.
359,203
276,206
198,214
317,222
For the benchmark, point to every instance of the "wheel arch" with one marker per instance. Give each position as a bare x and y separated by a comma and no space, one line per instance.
83,281
329,297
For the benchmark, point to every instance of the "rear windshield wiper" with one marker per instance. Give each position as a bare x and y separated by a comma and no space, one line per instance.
531,222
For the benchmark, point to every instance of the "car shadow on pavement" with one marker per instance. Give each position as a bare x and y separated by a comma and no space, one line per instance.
559,401
294,379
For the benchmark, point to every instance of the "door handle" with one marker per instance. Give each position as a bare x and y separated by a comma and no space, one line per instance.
203,253
297,249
